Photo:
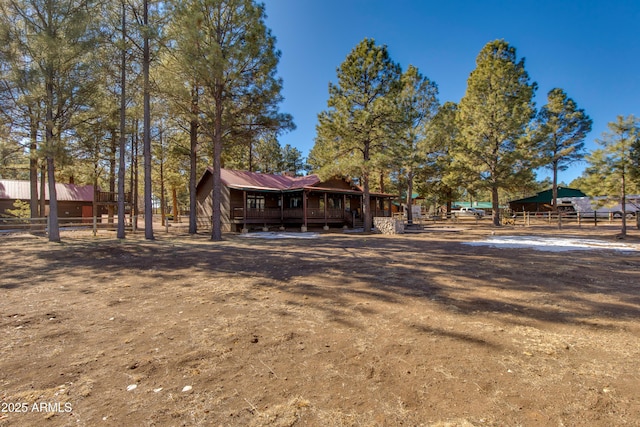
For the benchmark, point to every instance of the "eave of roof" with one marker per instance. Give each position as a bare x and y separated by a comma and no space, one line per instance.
21,190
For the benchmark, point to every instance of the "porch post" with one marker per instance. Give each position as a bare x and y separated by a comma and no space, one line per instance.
304,211
244,212
326,225
325,208
282,207
344,206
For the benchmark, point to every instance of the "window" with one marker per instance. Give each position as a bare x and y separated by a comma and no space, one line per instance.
255,202
295,202
335,202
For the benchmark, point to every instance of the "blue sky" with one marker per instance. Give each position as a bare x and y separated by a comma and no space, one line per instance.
589,48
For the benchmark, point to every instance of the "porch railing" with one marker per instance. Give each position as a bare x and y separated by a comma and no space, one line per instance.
111,197
331,213
296,213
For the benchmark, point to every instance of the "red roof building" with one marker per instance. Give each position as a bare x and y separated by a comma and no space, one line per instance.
269,200
74,201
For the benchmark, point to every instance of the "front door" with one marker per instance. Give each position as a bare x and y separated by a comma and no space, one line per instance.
87,213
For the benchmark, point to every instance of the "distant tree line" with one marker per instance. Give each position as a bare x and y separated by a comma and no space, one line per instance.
138,95
387,128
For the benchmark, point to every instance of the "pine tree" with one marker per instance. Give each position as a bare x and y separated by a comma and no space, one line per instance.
353,133
60,37
21,92
123,123
440,179
417,105
562,127
225,47
493,117
612,165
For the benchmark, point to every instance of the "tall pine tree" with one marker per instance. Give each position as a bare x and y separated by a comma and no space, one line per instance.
417,104
353,133
493,117
614,164
225,46
59,36
562,127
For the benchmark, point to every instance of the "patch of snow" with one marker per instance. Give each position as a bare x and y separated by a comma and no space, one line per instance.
280,235
552,244
354,230
359,230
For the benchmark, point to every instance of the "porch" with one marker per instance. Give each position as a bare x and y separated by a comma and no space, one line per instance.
303,208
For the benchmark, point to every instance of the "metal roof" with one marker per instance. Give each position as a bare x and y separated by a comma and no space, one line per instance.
244,180
21,190
546,196
256,181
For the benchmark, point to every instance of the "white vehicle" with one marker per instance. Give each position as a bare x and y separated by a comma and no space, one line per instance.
603,207
467,212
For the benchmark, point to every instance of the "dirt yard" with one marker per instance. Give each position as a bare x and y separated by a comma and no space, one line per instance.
343,330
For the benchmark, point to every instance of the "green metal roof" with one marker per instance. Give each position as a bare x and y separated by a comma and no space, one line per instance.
546,195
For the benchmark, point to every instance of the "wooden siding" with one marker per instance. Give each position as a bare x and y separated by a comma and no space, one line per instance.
276,208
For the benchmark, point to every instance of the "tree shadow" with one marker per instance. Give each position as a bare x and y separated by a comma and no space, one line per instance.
335,270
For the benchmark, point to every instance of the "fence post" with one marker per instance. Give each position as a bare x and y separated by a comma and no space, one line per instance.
48,224
95,226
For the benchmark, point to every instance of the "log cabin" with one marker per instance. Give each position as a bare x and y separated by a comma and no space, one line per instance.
257,200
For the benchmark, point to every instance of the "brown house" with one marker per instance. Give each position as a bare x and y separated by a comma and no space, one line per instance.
74,201
263,200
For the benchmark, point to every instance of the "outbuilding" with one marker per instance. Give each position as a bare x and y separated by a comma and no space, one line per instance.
543,201
74,201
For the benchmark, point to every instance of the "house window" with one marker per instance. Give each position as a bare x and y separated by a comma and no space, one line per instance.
295,202
335,202
255,202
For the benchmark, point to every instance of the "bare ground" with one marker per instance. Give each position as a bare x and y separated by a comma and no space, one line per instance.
345,330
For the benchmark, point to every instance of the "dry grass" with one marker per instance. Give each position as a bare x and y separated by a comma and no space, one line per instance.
338,331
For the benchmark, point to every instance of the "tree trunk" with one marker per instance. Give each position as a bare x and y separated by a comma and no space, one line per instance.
366,202
54,229
43,182
409,197
135,211
216,228
163,211
33,167
193,159
623,203
449,193
112,174
495,204
554,191
123,117
146,138
174,197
